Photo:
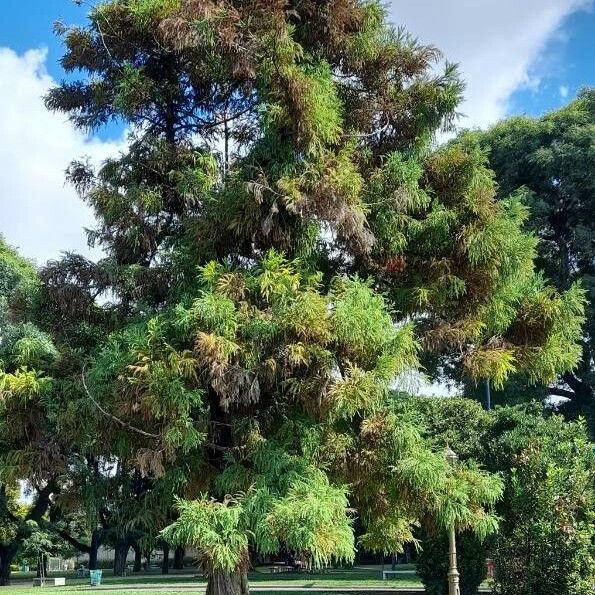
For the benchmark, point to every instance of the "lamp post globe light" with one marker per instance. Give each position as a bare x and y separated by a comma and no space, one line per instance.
453,574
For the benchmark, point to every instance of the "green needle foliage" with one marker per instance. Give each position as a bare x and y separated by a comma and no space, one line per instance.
281,243
307,131
215,529
552,160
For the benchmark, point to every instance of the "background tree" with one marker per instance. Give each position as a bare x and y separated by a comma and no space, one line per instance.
547,537
431,562
37,548
11,513
552,159
545,540
30,446
79,514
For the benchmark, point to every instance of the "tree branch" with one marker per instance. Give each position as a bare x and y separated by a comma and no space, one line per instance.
42,502
79,545
562,392
113,417
582,391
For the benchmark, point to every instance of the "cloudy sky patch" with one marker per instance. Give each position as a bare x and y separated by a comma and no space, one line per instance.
498,44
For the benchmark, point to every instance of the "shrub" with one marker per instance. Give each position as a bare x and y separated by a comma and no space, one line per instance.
547,539
432,563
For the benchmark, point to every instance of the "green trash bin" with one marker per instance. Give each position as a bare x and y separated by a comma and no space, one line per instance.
95,577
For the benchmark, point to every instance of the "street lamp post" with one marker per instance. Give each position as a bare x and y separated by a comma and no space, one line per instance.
453,573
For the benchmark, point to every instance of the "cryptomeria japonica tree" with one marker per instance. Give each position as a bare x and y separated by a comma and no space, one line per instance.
281,242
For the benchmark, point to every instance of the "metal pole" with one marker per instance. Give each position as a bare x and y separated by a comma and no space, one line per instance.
453,573
488,396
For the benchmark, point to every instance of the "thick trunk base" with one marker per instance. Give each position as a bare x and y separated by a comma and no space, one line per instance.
226,583
93,558
94,549
120,555
5,560
179,558
165,561
7,555
138,559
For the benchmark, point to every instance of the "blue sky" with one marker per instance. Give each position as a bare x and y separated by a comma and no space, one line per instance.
517,56
564,65
28,24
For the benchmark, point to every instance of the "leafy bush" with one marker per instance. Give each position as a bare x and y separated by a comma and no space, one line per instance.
546,543
547,539
432,563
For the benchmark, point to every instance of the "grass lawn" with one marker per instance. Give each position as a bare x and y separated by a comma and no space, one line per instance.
363,576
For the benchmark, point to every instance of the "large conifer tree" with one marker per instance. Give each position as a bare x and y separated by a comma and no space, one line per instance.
281,243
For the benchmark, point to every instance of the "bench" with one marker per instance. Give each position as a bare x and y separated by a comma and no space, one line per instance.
49,582
385,573
280,568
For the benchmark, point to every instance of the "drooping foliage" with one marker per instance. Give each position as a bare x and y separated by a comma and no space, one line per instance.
253,130
275,382
545,541
552,159
281,242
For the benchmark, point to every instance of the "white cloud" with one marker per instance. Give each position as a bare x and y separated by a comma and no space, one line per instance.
563,91
38,212
496,43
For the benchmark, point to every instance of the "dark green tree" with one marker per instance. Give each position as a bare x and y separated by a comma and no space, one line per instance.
546,541
431,562
30,445
552,160
547,535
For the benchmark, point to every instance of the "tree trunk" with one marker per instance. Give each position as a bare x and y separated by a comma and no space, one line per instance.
94,549
138,558
6,557
39,572
583,392
226,583
165,562
179,558
120,555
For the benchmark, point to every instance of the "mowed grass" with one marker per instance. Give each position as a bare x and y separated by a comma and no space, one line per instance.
189,580
88,590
